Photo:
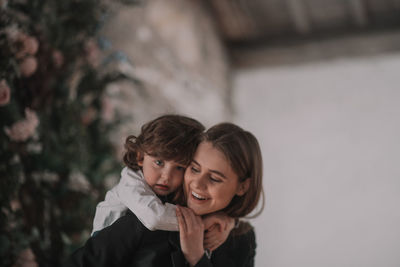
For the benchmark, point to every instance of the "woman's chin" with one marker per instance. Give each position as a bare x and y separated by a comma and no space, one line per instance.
197,211
199,208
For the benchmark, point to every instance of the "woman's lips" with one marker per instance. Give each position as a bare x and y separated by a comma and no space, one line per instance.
197,197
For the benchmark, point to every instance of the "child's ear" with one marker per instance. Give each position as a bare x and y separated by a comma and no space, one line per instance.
139,159
243,187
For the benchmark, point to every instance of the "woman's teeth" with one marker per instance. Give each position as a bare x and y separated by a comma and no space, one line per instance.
198,196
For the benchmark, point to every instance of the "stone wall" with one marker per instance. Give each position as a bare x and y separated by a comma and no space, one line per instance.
173,50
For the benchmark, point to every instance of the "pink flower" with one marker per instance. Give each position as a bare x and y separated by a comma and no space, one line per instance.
58,58
108,111
31,45
4,93
26,258
15,205
92,53
28,66
88,115
25,45
3,3
23,129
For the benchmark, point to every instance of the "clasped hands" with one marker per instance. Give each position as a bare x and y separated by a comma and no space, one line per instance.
199,233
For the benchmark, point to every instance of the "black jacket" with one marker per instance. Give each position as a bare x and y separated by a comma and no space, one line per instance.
127,243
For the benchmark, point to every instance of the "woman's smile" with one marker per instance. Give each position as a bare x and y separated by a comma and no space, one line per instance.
198,197
210,183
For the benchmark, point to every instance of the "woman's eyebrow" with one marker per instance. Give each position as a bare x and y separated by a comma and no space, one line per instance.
195,162
213,171
218,173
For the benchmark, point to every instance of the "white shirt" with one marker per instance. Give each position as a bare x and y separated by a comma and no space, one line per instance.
133,193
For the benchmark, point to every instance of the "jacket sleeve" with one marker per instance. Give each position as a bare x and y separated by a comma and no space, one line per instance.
249,245
112,246
204,262
138,197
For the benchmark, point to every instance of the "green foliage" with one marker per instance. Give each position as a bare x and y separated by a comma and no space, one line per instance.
54,141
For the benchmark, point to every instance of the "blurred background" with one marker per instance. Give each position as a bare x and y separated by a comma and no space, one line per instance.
316,81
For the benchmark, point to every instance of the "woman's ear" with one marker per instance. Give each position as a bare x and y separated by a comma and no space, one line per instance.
139,159
243,187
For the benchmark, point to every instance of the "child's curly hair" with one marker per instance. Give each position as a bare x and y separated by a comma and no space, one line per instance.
169,137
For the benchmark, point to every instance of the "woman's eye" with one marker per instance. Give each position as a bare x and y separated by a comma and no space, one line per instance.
215,180
195,170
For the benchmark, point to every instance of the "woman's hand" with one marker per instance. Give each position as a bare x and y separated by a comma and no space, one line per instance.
218,226
191,231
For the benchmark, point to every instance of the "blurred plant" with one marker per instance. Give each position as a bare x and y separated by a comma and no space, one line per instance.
54,126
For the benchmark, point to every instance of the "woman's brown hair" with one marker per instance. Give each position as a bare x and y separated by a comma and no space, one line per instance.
169,137
242,150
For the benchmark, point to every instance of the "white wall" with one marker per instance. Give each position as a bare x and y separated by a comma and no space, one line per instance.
329,133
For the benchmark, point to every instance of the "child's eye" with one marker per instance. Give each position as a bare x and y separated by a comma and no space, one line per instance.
215,180
180,168
159,162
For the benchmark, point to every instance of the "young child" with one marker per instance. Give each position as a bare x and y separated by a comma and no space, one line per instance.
156,161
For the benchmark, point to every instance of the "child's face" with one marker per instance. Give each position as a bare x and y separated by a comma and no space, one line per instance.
163,176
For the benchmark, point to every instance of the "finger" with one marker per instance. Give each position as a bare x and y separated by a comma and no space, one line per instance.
211,228
193,222
214,245
213,233
207,221
219,225
187,218
209,235
181,220
208,244
211,240
199,220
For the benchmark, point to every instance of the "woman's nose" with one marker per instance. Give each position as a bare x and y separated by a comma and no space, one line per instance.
200,182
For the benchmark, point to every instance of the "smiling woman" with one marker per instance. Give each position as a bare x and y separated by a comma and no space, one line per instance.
224,175
210,181
241,150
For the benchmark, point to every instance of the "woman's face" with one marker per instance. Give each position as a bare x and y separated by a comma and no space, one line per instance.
210,183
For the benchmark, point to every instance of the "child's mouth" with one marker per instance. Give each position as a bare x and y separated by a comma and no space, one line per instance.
162,187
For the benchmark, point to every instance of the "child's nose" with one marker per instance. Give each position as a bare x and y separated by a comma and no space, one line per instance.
166,175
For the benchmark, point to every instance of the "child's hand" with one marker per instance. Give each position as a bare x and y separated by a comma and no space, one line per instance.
191,232
218,226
